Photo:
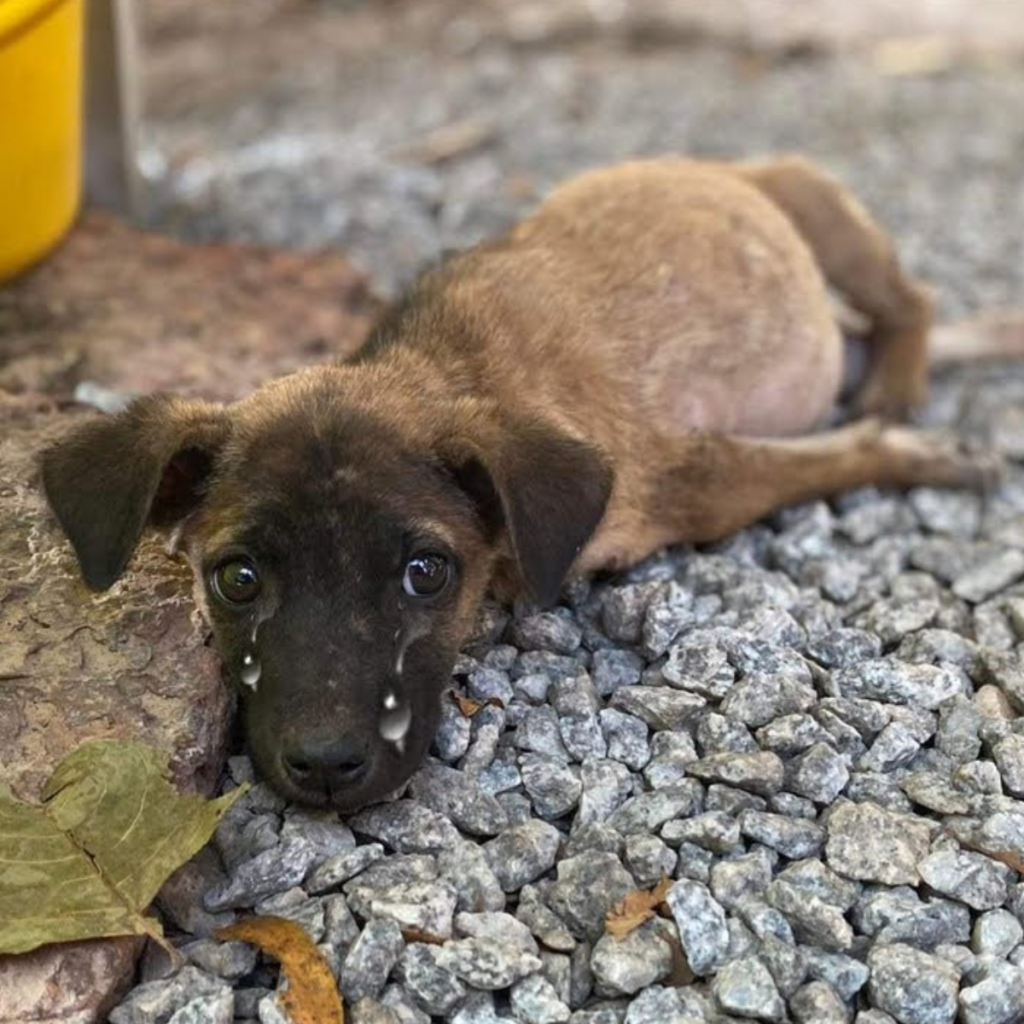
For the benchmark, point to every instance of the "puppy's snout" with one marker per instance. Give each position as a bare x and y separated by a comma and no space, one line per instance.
325,765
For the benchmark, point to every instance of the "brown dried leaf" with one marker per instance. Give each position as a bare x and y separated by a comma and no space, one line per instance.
680,974
637,907
312,995
469,707
415,935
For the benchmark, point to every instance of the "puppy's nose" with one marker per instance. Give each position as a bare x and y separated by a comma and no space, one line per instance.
325,765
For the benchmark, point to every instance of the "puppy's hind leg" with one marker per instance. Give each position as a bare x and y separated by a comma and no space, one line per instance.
858,259
719,484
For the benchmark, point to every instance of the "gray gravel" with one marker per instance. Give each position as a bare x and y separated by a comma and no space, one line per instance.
813,728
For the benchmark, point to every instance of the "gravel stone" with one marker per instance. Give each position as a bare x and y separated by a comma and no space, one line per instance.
816,879
700,665
817,1003
732,881
268,873
535,1001
433,988
402,1006
716,734
627,738
624,608
792,838
661,707
671,752
554,631
745,987
607,785
157,1001
814,921
648,859
497,926
487,964
451,741
665,617
762,772
229,960
820,774
422,906
212,1009
712,830
984,580
587,887
554,788
338,869
539,733
406,826
648,811
522,853
1009,757
546,926
894,747
871,844
996,933
971,878
885,679
396,870
371,959
657,1005
996,999
786,963
624,966
613,669
844,974
844,647
760,697
915,987
701,922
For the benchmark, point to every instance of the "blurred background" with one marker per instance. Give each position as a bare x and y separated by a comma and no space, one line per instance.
397,129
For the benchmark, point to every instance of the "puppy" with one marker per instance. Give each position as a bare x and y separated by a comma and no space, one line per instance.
641,362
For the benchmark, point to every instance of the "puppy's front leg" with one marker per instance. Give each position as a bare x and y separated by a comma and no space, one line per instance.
719,484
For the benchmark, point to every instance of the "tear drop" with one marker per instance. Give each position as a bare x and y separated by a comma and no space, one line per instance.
251,669
395,720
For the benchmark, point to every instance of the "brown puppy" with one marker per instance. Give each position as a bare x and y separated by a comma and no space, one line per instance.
627,368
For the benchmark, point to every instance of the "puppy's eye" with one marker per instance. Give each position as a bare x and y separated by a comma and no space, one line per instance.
426,575
237,581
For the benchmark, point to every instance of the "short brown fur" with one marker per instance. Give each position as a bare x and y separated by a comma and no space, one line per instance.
643,361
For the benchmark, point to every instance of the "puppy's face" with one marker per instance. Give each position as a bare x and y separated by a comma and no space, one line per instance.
340,572
340,554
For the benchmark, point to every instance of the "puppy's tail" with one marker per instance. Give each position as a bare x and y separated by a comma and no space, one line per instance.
989,337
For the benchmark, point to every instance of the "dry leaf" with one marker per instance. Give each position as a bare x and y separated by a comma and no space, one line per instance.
469,707
312,995
89,860
681,974
415,935
637,907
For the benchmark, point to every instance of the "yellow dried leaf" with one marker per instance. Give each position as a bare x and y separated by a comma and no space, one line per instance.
469,707
88,860
637,907
312,995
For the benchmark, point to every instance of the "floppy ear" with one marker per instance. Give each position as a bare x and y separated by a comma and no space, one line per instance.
547,488
111,477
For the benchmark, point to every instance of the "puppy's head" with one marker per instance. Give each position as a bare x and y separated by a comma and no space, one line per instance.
341,551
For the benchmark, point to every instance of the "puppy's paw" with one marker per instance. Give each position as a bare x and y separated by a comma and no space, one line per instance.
934,458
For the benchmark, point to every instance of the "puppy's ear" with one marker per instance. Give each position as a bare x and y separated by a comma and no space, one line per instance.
547,488
111,477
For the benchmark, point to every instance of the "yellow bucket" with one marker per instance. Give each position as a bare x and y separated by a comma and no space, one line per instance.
40,126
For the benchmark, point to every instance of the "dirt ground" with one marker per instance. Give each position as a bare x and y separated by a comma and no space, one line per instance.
396,129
